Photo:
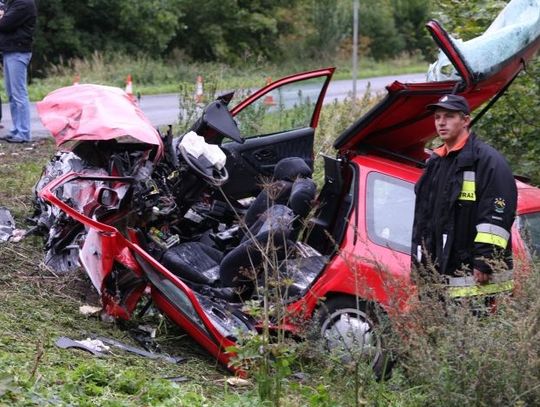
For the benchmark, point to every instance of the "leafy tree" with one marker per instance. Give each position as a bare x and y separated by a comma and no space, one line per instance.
330,22
410,17
76,28
467,19
512,124
377,24
387,28
233,31
56,35
229,30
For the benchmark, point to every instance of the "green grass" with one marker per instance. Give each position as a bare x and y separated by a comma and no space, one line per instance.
152,76
37,306
446,357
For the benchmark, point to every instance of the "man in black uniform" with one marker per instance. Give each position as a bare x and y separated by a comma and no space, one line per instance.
465,200
17,27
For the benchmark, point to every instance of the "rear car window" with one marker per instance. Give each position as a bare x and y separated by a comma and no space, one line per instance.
529,229
390,211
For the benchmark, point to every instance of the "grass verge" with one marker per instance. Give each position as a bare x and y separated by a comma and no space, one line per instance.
447,357
37,306
151,76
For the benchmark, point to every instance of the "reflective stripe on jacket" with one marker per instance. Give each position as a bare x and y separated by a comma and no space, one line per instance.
465,207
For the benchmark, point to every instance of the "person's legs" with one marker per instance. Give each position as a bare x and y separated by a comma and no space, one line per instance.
15,71
7,81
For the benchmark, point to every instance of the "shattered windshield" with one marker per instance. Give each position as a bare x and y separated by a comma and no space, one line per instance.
517,26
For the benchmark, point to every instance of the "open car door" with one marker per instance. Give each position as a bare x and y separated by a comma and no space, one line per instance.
277,121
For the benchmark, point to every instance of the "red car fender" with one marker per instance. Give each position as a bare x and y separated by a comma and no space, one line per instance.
213,340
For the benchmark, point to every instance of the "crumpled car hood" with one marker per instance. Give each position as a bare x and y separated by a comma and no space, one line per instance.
95,112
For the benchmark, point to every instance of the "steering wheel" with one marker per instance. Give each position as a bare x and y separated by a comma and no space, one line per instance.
217,178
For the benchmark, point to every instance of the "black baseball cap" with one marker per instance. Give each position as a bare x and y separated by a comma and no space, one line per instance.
451,102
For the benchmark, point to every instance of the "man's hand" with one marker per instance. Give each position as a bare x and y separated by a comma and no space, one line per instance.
481,278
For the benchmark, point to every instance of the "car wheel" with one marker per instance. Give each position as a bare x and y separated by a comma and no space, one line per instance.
351,329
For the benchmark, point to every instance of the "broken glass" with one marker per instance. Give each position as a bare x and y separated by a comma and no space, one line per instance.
517,26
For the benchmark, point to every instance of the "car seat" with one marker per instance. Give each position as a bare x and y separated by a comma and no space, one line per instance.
286,172
271,234
275,192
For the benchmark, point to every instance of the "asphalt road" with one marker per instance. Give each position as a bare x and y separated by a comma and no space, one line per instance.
164,109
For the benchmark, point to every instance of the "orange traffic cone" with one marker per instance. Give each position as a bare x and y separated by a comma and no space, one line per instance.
129,86
269,99
199,93
76,79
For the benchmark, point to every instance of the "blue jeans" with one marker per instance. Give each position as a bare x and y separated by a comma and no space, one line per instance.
15,75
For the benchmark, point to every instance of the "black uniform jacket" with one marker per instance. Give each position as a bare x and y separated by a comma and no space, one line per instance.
465,207
17,26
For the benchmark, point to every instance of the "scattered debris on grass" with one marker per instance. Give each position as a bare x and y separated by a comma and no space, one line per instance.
89,310
95,347
101,346
7,224
238,382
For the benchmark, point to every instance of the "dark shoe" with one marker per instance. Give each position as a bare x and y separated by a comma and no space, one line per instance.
12,139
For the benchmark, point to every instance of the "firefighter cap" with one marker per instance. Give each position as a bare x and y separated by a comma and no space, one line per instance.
451,102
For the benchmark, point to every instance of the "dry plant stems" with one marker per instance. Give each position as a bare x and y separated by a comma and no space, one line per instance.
269,354
460,356
37,359
274,343
335,118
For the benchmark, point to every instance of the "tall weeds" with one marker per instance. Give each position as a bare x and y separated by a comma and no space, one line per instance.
457,356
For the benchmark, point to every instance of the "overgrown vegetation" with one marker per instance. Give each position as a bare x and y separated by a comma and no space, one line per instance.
445,356
230,32
469,351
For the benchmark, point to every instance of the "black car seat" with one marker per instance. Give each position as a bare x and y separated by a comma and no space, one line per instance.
286,172
277,191
272,233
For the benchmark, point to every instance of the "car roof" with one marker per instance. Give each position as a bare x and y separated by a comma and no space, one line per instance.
400,122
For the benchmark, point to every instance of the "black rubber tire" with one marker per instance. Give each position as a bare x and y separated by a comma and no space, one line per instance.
361,313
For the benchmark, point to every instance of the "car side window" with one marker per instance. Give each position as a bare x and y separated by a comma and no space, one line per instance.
529,228
288,107
389,211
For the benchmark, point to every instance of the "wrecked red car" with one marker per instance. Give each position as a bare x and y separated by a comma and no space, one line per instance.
146,213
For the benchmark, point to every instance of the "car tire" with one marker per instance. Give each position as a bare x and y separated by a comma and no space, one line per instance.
351,328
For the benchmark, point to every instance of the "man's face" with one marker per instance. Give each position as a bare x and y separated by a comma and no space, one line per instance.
450,124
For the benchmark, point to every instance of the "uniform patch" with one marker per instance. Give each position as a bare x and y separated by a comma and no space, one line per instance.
468,188
499,204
